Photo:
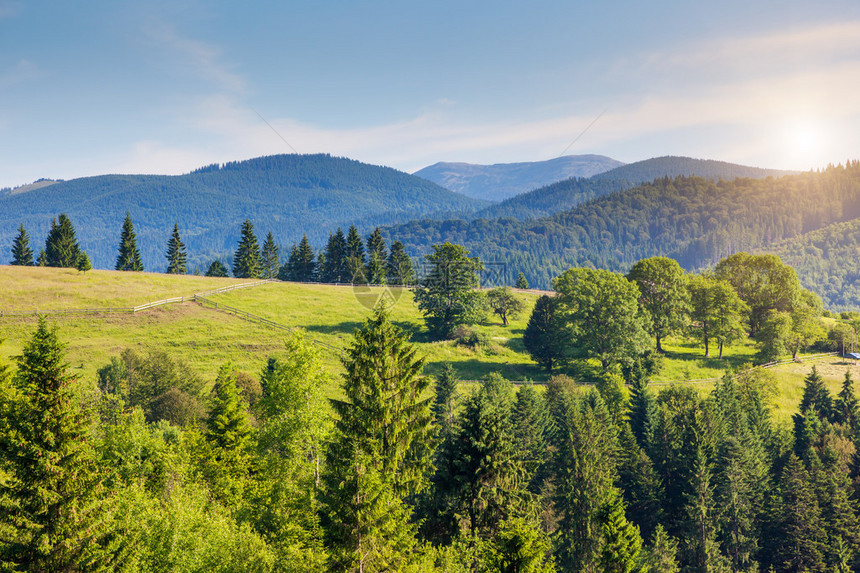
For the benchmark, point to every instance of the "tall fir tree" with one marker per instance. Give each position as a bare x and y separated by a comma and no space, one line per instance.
270,262
53,514
816,396
847,408
702,548
522,282
176,257
128,258
22,254
356,263
400,269
301,264
622,543
377,256
61,246
335,259
800,538
246,260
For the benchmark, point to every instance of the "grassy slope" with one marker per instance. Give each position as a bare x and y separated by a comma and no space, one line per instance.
205,338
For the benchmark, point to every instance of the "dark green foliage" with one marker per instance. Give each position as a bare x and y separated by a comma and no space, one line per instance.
42,259
84,263
816,397
846,409
825,261
445,399
503,302
164,387
583,474
377,256
53,517
544,337
22,254
799,538
227,424
301,266
128,258
701,548
522,283
270,262
355,258
335,268
176,256
662,294
61,246
600,310
531,427
384,415
246,260
446,296
621,541
661,554
217,269
399,266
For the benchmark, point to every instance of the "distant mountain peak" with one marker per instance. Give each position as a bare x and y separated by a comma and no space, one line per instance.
501,181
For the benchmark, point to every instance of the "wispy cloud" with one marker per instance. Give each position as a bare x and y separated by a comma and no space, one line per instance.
203,59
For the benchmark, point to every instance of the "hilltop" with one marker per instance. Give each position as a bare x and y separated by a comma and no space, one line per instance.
288,195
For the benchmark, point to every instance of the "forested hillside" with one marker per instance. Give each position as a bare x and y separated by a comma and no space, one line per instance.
650,169
828,262
503,180
288,195
569,193
692,219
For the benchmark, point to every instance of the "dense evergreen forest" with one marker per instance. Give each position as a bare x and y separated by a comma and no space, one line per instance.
289,195
673,166
694,220
828,261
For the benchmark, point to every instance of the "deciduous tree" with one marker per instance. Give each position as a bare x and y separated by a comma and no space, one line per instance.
663,294
503,302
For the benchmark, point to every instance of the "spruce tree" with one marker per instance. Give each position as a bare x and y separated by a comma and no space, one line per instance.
61,246
22,254
522,283
301,265
544,335
42,259
702,548
335,259
445,397
246,261
53,517
816,396
800,537
355,259
217,269
621,541
661,555
129,256
176,257
376,258
399,266
847,408
84,263
531,429
270,262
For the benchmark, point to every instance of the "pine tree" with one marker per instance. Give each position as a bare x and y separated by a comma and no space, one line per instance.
61,246
522,283
355,259
217,269
380,451
129,257
270,263
621,541
847,407
384,412
302,266
816,396
53,517
376,258
399,266
661,556
22,254
42,259
84,263
800,537
246,261
531,429
445,398
544,338
176,257
702,548
335,259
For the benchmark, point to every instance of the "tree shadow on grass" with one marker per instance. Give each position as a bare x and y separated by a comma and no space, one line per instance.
477,369
346,328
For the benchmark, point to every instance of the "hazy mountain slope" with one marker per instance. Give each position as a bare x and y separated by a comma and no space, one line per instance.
692,219
563,195
827,261
503,180
286,194
672,166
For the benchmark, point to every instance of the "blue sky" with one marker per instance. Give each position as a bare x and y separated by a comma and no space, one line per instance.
93,87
